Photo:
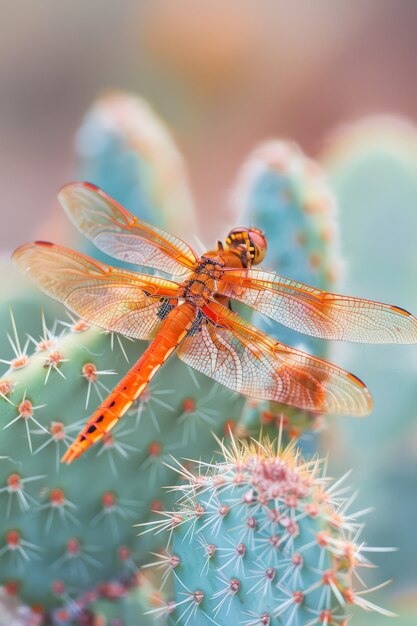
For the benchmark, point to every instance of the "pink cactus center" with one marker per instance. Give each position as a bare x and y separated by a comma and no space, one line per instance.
45,344
58,431
110,590
234,585
329,577
210,549
349,595
291,502
11,587
79,327
274,541
323,538
174,561
312,509
58,587
223,510
189,405
54,359
26,409
198,596
62,615
89,371
264,619
14,482
293,528
155,448
5,387
13,539
19,362
170,607
57,497
251,523
156,505
73,547
272,479
240,549
326,616
108,439
199,510
270,573
297,559
298,597
124,553
274,470
108,500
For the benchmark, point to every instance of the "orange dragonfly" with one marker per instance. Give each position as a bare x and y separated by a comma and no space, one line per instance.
191,315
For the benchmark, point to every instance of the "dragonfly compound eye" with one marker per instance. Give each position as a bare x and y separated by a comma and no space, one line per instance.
252,238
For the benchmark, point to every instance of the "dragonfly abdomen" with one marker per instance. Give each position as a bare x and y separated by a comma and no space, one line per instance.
170,334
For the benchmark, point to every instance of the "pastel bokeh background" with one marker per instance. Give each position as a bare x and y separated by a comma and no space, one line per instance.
226,75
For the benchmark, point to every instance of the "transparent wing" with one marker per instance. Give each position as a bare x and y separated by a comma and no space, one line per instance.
237,355
316,312
117,300
122,235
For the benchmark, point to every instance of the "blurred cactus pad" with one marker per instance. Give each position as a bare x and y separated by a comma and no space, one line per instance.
75,523
110,604
262,537
284,193
125,149
372,167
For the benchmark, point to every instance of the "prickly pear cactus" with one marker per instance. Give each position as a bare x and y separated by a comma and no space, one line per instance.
284,193
74,524
262,538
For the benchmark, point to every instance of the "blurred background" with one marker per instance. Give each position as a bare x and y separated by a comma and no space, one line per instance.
223,74
338,78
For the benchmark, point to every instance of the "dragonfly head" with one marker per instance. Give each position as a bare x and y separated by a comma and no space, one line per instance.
250,239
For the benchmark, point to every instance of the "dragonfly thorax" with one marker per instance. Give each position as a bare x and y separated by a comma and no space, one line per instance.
202,283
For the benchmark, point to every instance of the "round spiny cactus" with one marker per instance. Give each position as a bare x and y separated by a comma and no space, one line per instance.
261,538
285,194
